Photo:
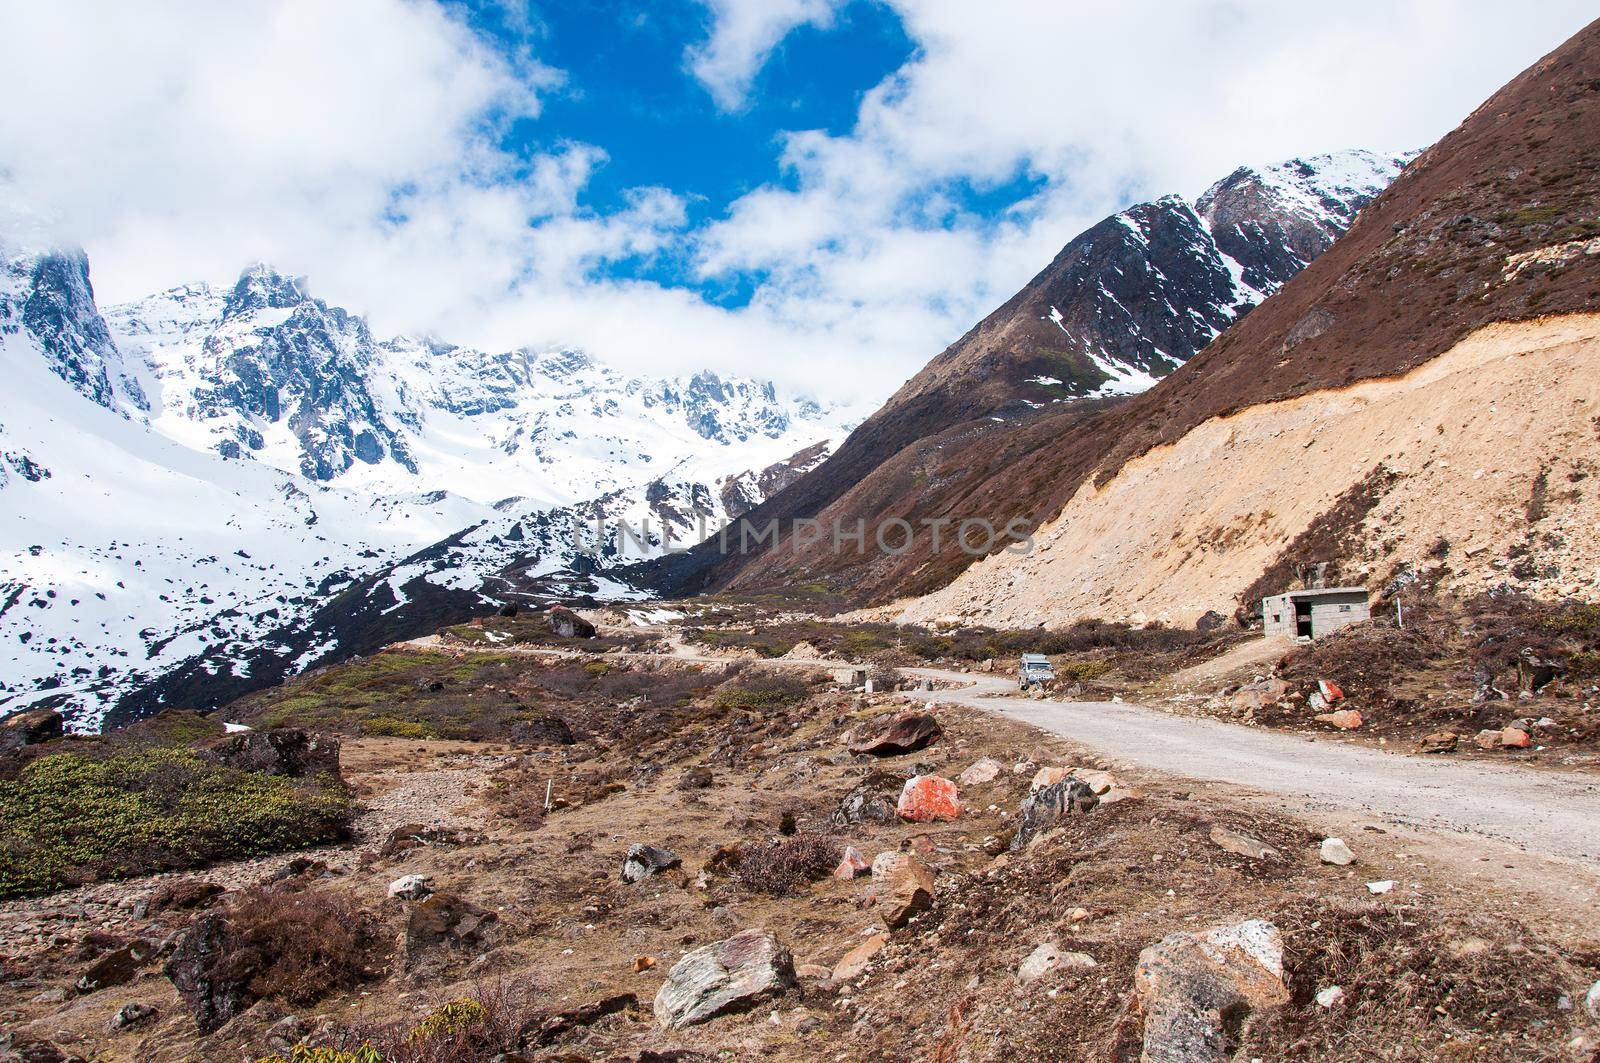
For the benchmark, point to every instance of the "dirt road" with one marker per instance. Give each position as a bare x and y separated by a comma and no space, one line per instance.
1548,812
1551,813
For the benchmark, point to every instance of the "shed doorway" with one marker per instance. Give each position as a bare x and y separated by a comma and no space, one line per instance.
1302,619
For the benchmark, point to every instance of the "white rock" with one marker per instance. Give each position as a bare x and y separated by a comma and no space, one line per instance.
1046,958
1383,886
410,887
981,771
1330,997
1591,1002
1335,851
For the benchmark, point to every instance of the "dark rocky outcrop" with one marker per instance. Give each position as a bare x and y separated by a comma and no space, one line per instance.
29,728
286,751
905,733
1044,808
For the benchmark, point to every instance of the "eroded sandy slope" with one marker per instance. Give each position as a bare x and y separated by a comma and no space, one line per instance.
1494,448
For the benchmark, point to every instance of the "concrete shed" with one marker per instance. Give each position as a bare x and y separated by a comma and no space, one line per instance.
1313,613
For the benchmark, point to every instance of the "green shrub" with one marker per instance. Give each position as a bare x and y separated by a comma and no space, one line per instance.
389,727
70,818
1082,671
759,690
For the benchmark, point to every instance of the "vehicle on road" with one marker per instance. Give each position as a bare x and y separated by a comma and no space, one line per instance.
1034,669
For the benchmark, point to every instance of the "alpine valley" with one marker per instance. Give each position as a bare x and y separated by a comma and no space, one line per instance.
211,489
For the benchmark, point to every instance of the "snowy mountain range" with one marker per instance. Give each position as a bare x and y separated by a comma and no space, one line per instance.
209,489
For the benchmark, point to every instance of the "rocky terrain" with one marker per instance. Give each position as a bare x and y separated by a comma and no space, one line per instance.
660,857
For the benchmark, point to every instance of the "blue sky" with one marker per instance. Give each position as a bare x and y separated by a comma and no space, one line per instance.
820,192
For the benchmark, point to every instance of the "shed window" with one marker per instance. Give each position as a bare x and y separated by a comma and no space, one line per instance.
1344,608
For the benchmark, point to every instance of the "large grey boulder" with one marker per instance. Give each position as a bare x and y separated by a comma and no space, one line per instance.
1197,990
728,975
1044,808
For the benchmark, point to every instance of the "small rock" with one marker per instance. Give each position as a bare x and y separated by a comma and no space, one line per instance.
750,965
1048,776
1440,742
1515,738
1330,997
1487,739
981,771
132,1015
643,963
1335,851
929,797
904,887
852,866
643,861
1343,719
1046,958
116,967
410,887
1591,1001
50,996
814,972
855,961
696,779
1381,887
1242,844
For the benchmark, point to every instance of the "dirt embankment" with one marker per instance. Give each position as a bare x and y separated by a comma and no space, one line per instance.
1479,463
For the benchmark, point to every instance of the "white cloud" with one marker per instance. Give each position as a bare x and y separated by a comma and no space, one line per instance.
355,143
743,35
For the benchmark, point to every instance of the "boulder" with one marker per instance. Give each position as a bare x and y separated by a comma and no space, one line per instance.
211,972
905,733
902,887
980,771
564,623
929,797
643,861
1044,809
696,778
1048,776
1210,620
1535,672
1048,957
1335,851
1242,844
1440,742
444,919
855,961
1195,989
869,801
542,730
288,751
1591,1001
410,887
548,1030
1515,738
1343,719
1330,691
1489,738
182,896
116,967
20,1048
735,973
1259,694
852,866
29,728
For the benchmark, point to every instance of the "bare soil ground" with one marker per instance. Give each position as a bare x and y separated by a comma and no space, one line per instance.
1459,960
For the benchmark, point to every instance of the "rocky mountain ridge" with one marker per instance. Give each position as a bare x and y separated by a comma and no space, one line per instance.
211,489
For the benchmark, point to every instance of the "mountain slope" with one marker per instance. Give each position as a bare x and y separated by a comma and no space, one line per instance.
1122,305
1469,287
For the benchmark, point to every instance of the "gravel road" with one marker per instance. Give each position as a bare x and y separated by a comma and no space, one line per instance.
1549,812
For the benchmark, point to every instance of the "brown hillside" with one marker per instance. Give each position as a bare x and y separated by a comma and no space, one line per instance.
1499,221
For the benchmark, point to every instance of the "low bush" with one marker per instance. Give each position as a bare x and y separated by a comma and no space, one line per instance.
758,688
304,945
70,818
786,866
